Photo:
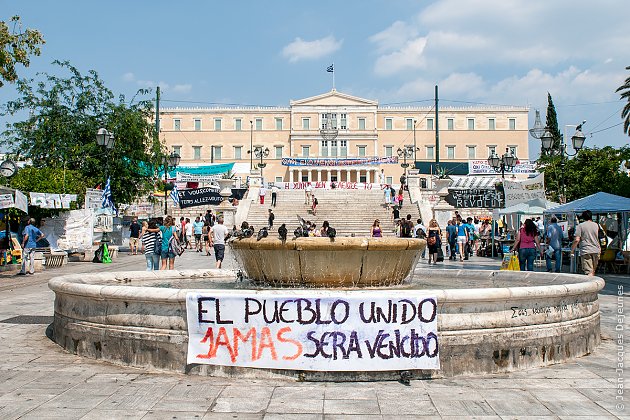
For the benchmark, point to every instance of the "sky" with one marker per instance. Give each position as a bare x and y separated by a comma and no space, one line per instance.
479,52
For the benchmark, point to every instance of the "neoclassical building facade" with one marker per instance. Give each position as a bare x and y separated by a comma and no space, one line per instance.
364,149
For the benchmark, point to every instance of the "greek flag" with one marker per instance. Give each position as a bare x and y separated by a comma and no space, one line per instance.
106,197
331,68
175,196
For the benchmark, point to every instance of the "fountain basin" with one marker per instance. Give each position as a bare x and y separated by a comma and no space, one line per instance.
320,262
495,322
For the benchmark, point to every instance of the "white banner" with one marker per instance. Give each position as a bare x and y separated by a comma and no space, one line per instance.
93,198
21,202
6,201
314,330
328,185
481,167
523,191
185,177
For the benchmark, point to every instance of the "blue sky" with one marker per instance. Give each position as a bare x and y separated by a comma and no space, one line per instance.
267,53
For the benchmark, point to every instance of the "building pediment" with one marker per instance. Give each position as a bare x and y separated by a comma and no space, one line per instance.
333,98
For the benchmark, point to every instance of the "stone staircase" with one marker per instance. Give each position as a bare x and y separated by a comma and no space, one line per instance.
348,211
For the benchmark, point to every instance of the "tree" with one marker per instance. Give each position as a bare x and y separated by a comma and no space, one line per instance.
625,94
590,171
66,111
552,124
16,47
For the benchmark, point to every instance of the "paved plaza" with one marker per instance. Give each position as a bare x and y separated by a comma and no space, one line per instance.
39,380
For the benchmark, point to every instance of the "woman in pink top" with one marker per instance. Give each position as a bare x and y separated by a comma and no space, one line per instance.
527,243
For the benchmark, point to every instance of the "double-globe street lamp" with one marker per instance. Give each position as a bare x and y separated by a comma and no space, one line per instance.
260,153
106,140
407,152
504,163
170,162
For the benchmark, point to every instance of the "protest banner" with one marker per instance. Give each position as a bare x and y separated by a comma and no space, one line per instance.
313,330
21,202
523,191
485,198
482,167
339,161
6,201
328,185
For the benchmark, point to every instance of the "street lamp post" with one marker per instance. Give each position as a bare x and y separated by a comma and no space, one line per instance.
415,149
260,153
251,144
561,150
106,140
503,163
171,161
407,151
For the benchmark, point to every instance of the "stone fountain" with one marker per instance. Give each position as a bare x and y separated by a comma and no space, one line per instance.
486,321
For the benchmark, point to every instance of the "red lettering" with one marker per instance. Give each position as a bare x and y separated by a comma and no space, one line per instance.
239,336
209,337
223,340
297,344
266,342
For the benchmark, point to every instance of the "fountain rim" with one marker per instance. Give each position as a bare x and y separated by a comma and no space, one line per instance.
75,284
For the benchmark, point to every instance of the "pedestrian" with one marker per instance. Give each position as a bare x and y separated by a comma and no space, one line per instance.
396,214
206,237
527,243
168,231
419,230
150,240
209,217
308,192
553,239
324,230
197,227
30,236
134,236
388,196
261,193
451,237
182,230
406,228
375,230
314,206
274,194
219,234
587,237
434,240
400,197
270,219
189,233
462,240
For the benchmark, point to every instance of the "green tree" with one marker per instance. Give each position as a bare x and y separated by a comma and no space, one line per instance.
625,94
16,47
66,111
590,171
552,125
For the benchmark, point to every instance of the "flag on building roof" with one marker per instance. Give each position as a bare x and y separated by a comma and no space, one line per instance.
331,68
175,196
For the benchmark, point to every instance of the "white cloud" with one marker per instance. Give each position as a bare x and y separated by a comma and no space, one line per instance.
128,77
184,88
409,57
391,38
310,50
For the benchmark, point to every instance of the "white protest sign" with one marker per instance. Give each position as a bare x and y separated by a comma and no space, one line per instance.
21,202
6,201
523,191
313,330
38,199
93,198
482,167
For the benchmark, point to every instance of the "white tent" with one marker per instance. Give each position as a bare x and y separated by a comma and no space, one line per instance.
536,206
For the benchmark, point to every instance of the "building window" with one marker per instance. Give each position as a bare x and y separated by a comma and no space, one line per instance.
389,151
409,123
328,118
492,150
279,124
196,152
323,150
429,124
513,150
471,123
333,148
238,124
343,123
217,124
362,151
278,152
279,179
388,123
177,150
177,125
431,152
343,144
258,124
450,152
238,152
218,155
472,152
305,151
361,123
306,123
512,123
450,124
389,180
491,124
197,124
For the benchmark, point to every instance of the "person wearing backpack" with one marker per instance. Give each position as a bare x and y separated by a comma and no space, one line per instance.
587,236
406,228
434,240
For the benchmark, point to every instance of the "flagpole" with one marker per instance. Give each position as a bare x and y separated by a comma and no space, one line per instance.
333,72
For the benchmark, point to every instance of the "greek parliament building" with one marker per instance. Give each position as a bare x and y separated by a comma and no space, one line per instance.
339,137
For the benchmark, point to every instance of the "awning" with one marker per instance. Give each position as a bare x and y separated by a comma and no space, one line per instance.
474,182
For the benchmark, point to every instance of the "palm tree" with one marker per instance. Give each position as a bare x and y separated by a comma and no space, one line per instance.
625,113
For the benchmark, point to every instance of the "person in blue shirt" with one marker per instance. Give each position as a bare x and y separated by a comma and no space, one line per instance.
197,226
462,239
451,236
553,238
30,236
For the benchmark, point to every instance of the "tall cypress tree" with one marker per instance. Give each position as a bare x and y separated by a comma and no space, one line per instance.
552,122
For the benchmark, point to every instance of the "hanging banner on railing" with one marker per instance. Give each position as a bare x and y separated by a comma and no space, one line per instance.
481,167
523,191
314,330
328,185
338,161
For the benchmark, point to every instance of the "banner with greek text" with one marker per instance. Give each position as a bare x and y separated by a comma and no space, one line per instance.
326,185
314,330
481,167
523,191
338,161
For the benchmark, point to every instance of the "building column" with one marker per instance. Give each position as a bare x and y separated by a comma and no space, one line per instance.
291,175
367,176
348,175
328,175
338,174
299,175
319,175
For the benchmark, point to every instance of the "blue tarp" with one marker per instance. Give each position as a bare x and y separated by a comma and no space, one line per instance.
600,202
219,168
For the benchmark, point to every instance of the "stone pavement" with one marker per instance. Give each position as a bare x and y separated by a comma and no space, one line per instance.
38,380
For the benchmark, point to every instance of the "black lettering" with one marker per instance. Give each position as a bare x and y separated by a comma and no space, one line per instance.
249,312
333,310
217,305
283,310
354,346
433,310
201,311
339,344
362,313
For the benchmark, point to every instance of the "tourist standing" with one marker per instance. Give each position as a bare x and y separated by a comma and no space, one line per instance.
182,230
375,230
419,230
527,243
434,240
462,240
553,238
587,237
314,206
261,193
270,219
30,236
388,196
400,197
134,236
197,226
396,215
168,232
209,217
206,237
451,238
218,235
406,228
150,240
308,192
189,233
274,194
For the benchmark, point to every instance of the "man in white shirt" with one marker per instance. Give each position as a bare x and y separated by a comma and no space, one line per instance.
261,194
274,194
308,192
218,235
419,225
